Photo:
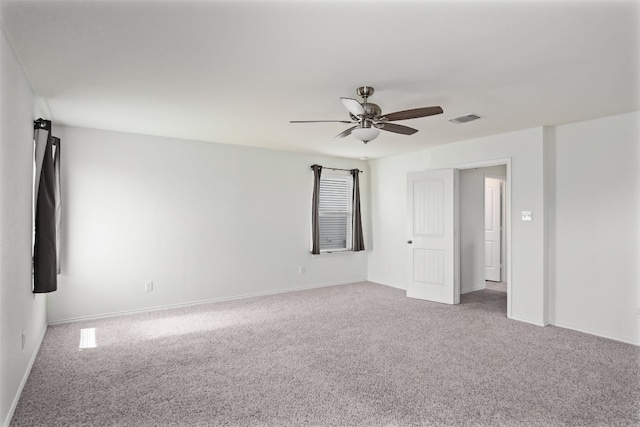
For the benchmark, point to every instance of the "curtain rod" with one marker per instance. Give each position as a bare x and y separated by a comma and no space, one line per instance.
338,169
42,124
46,125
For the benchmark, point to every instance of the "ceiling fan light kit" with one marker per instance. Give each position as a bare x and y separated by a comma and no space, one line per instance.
369,120
365,134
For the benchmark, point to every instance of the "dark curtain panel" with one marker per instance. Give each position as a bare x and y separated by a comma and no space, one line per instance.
45,248
58,197
315,225
358,238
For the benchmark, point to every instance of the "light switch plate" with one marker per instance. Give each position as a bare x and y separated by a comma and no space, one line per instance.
526,215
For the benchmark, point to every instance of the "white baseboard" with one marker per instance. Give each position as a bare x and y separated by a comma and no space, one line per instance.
479,288
391,285
610,337
531,322
25,377
194,303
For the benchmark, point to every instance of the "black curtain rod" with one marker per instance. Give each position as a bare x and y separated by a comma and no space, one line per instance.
46,125
42,124
338,169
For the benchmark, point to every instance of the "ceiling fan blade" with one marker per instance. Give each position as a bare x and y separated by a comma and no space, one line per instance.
353,106
392,127
345,133
413,114
319,121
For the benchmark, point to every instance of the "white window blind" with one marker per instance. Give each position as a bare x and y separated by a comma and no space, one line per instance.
335,212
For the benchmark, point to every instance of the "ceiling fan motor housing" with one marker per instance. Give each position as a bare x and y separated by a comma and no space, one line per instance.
372,111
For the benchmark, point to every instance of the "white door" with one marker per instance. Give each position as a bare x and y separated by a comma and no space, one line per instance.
492,229
432,248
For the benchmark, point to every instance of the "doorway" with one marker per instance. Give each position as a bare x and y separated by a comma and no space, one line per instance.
484,221
446,231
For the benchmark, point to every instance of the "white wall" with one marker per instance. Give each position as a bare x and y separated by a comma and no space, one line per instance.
145,208
576,264
496,171
389,232
597,194
19,310
203,221
471,230
525,149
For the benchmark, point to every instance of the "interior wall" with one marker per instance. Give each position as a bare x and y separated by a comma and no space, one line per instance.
389,231
19,310
471,230
203,221
595,271
525,149
496,171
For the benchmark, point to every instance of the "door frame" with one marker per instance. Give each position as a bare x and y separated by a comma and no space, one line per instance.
508,214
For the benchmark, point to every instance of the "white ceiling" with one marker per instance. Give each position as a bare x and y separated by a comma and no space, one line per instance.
236,72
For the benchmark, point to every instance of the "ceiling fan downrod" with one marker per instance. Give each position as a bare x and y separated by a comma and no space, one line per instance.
364,92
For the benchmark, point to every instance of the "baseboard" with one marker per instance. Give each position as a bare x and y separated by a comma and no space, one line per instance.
624,340
479,288
531,322
25,377
389,285
195,303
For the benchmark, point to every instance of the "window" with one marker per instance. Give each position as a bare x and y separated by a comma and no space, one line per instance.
336,223
335,211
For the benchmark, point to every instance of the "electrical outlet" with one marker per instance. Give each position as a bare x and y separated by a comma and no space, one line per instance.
301,269
24,339
148,286
638,312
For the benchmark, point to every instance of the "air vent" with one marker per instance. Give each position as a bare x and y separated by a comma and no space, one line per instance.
465,119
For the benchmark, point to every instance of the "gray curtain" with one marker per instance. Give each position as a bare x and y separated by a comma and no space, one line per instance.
357,238
46,206
315,225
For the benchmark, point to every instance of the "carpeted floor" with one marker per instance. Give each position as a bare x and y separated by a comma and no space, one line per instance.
353,355
496,286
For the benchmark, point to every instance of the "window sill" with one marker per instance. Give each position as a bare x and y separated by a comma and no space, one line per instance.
335,253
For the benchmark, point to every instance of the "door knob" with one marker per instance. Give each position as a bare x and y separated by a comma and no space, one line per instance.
409,241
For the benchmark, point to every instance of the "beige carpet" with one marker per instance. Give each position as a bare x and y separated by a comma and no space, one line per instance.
352,355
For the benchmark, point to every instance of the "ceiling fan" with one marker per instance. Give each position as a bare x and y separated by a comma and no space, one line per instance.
368,117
